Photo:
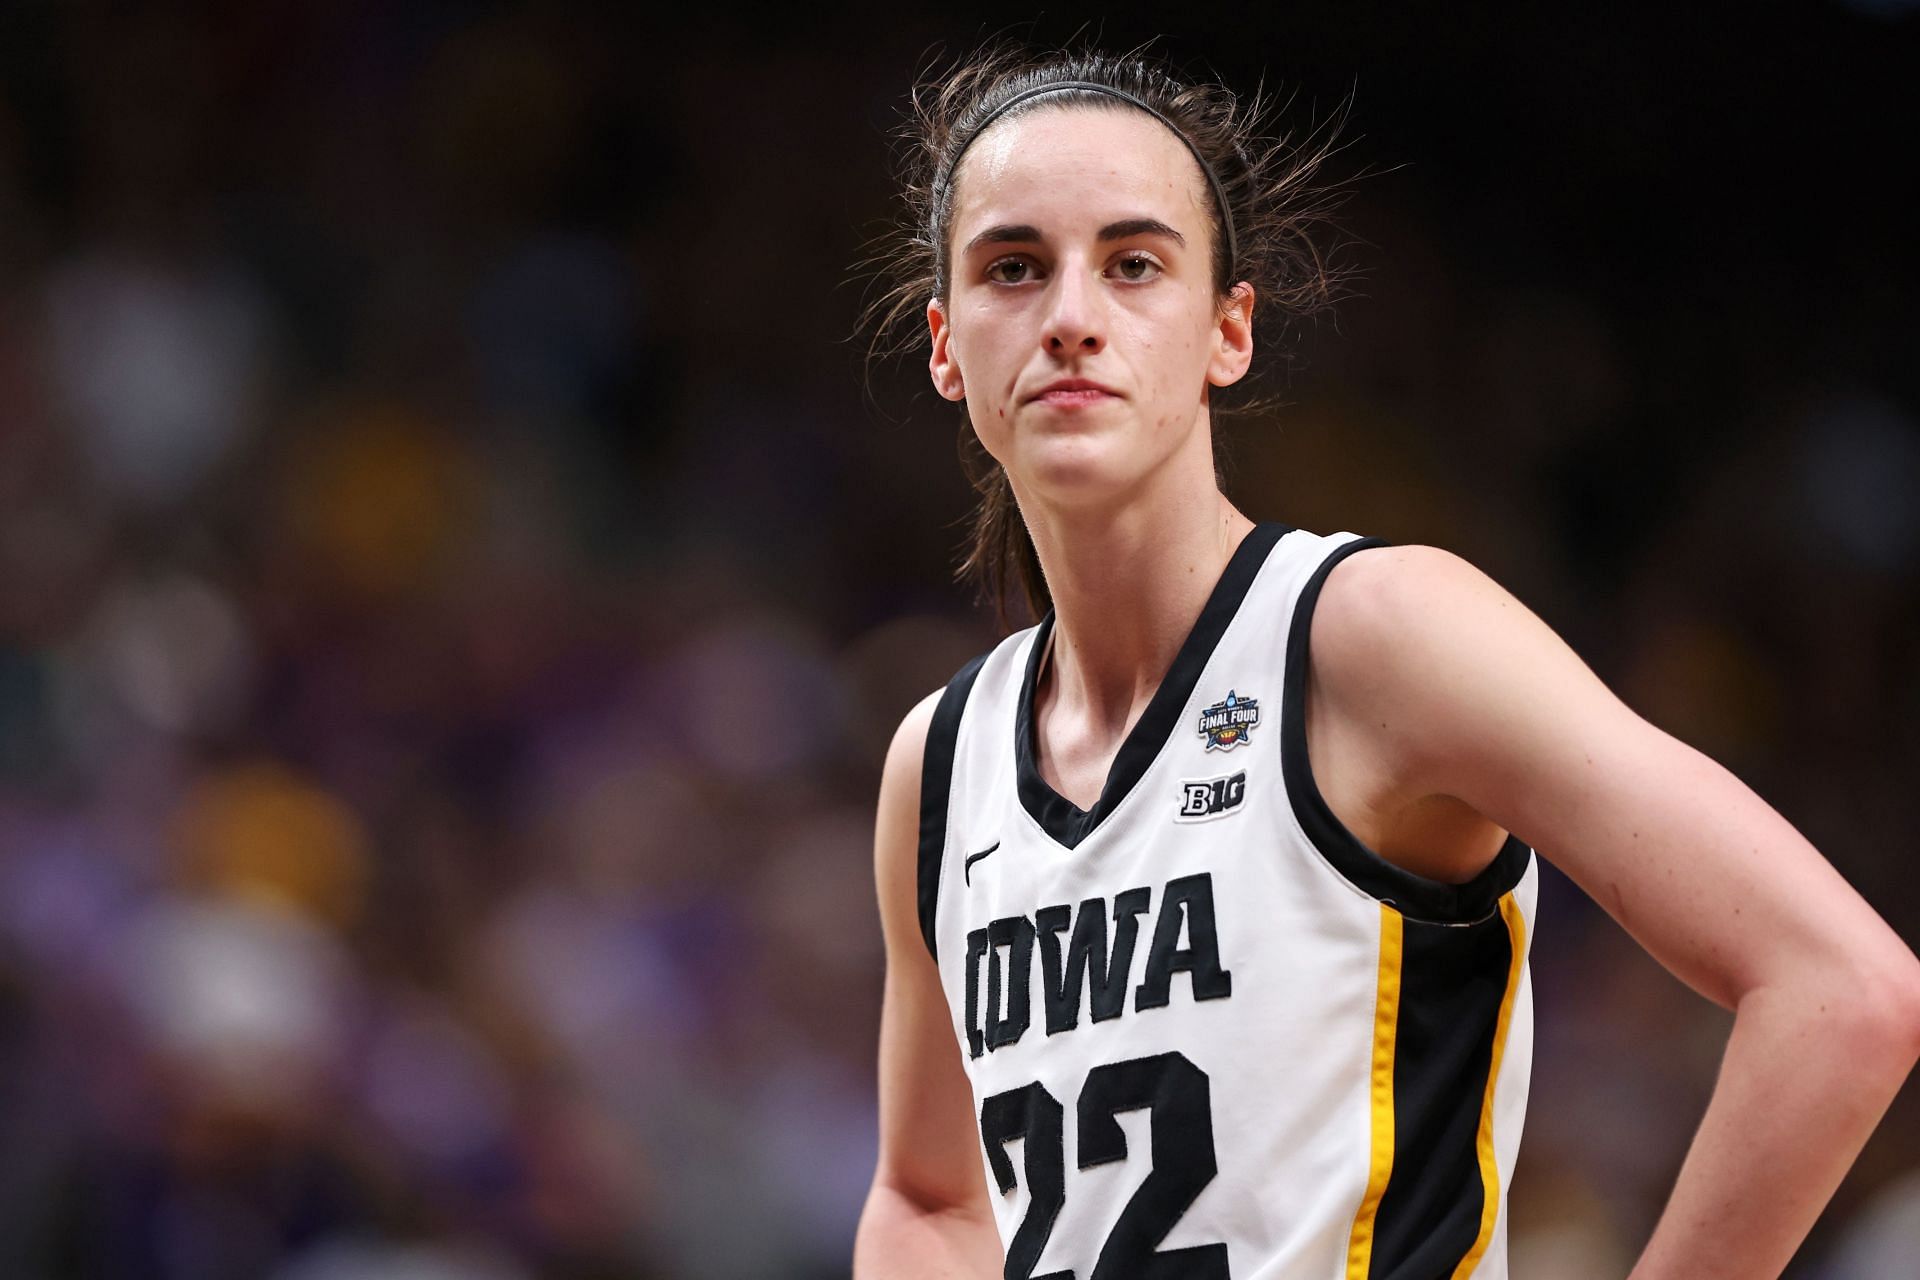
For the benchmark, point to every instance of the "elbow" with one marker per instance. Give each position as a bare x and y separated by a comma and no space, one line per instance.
1911,1010
1889,1006
898,1188
1867,1011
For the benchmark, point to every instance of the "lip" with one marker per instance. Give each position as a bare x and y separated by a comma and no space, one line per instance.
1072,391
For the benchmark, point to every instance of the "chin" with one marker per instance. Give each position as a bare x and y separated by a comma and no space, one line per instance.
1075,472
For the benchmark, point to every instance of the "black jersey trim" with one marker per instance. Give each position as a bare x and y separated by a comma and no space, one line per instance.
936,785
1058,816
1454,983
1415,895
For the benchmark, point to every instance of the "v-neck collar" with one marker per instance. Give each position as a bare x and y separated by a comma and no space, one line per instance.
1062,819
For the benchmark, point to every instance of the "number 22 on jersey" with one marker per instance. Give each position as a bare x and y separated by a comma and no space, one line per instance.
1178,1095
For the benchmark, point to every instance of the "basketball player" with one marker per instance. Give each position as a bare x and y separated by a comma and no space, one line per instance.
1207,900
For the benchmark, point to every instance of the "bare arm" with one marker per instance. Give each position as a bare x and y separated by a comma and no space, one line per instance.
927,1216
1478,699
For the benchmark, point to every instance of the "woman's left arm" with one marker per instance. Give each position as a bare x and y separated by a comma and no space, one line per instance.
1477,698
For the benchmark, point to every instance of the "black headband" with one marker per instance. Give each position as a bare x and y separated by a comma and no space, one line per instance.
1059,86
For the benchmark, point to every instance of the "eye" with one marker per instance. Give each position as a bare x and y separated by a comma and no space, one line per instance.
1138,266
1020,266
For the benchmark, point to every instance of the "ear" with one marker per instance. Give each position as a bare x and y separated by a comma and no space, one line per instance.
942,363
1233,338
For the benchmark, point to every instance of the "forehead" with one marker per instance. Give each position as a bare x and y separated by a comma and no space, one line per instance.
1060,166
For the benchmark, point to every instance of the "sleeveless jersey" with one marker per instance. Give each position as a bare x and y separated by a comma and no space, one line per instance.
1210,1033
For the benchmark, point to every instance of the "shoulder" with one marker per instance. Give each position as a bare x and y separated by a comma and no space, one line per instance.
1386,599
1401,609
934,719
906,753
1426,651
896,834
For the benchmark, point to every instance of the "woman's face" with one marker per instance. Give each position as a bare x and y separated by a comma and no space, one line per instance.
1081,248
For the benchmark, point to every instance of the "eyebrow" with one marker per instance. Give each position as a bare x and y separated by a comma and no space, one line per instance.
1021,233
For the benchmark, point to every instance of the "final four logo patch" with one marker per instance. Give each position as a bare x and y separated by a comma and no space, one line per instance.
1225,724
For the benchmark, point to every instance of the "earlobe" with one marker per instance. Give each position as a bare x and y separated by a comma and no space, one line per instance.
946,375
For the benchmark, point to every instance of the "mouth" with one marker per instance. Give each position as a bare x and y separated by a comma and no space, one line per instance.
1073,393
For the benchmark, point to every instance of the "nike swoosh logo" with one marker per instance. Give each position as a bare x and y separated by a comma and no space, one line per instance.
972,858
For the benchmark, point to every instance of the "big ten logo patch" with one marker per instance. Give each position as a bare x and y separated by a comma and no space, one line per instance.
1204,798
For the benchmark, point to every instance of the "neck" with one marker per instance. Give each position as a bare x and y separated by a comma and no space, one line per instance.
1127,588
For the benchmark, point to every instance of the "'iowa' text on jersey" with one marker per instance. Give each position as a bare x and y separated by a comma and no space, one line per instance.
1086,962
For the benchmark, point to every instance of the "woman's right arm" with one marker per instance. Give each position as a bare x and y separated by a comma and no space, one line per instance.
927,1216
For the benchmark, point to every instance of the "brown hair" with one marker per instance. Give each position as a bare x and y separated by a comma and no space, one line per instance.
1277,204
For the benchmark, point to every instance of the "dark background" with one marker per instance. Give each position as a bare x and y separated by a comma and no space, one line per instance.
456,588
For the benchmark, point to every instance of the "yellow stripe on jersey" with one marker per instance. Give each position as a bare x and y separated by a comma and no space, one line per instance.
1386,1019
1489,1167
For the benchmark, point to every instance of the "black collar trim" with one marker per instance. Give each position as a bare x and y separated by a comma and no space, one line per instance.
1058,816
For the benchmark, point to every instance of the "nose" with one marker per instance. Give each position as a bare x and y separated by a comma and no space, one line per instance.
1075,319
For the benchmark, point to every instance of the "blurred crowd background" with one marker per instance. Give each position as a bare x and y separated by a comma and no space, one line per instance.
457,581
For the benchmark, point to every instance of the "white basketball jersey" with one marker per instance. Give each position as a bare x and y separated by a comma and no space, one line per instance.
1210,1033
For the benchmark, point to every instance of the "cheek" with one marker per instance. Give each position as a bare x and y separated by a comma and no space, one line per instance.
974,346
1174,363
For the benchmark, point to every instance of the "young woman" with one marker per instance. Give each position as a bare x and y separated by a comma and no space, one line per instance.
1207,900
